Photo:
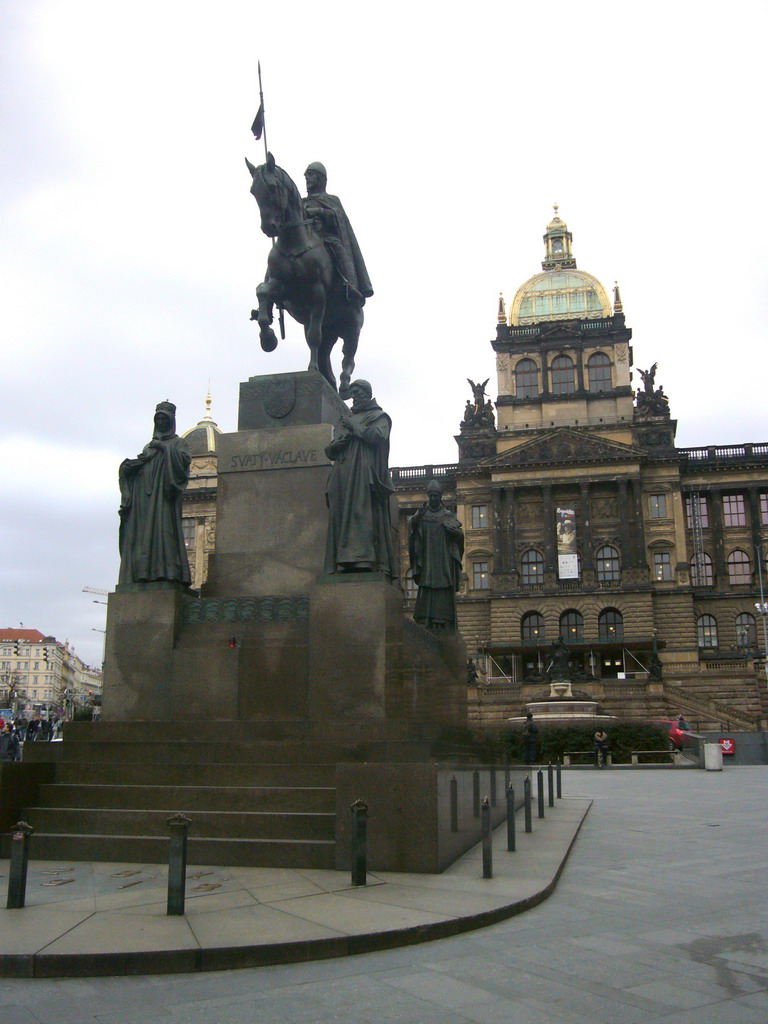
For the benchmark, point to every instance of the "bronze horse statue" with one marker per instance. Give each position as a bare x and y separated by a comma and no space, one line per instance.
301,277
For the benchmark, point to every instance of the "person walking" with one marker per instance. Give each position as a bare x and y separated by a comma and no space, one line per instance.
530,739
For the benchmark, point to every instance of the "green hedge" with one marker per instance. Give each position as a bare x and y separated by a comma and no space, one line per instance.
554,740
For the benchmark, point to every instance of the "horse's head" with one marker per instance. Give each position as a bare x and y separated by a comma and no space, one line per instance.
277,195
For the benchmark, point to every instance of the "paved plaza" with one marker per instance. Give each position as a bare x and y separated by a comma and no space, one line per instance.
659,915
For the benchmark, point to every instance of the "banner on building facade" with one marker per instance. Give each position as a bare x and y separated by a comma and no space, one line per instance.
567,558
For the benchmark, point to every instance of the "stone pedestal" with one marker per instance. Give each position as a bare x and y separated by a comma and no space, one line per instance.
271,516
355,646
142,627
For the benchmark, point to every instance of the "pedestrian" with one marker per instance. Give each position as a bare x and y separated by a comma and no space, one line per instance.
33,728
530,739
10,748
600,746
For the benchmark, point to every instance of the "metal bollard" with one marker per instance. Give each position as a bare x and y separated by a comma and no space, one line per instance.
359,842
506,779
540,791
511,819
177,863
17,878
454,788
493,786
559,776
487,839
550,785
476,793
527,803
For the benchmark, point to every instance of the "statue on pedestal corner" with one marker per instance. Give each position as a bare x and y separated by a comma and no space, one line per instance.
151,487
359,488
436,548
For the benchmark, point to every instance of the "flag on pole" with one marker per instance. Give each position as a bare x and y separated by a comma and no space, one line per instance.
258,123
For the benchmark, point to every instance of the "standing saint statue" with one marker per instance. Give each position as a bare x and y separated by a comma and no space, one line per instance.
359,488
436,547
151,486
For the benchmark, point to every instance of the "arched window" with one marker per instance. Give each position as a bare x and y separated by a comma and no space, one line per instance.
599,372
739,567
531,567
610,624
701,571
411,587
532,627
572,625
563,376
607,565
746,633
706,631
526,379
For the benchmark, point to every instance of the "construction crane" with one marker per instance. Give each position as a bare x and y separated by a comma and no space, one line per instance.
95,590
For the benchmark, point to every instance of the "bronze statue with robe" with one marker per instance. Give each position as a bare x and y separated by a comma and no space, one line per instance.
436,548
359,489
151,485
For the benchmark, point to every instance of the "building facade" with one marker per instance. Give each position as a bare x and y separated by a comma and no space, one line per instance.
584,521
39,673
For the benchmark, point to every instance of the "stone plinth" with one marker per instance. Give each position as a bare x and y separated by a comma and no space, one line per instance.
271,515
356,640
143,622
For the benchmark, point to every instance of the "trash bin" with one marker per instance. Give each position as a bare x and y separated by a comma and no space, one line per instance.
713,757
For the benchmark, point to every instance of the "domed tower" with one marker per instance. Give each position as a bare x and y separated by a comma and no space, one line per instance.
562,354
199,501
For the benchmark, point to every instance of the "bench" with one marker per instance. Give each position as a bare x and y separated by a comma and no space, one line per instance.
676,755
568,754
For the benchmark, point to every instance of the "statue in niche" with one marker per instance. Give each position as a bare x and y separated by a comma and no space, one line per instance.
436,547
151,485
359,489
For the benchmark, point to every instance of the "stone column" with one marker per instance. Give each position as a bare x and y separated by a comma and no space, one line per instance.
587,564
510,528
716,516
548,533
625,515
753,499
638,554
500,554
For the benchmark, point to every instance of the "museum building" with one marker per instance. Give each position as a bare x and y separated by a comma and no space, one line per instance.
583,520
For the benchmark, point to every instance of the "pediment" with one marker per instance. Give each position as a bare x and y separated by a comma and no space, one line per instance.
565,446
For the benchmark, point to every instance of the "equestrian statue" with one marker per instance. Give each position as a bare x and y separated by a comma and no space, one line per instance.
315,269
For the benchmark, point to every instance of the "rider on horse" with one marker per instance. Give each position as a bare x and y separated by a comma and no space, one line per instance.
332,225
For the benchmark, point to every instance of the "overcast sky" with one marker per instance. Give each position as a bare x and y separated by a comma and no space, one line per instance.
130,246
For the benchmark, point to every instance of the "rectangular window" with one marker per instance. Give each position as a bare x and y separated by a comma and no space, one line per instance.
764,509
188,531
479,517
480,578
662,566
703,512
658,505
734,511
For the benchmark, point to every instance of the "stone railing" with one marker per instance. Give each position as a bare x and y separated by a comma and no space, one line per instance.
727,453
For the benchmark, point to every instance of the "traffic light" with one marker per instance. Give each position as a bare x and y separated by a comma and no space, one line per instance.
233,642
16,647
45,655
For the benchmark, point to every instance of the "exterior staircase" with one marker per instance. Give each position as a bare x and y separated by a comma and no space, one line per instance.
261,794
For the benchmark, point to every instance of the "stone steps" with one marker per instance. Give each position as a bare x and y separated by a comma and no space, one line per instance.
220,824
285,853
296,800
276,774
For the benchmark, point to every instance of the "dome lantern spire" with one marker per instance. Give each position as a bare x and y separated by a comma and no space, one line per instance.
557,245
